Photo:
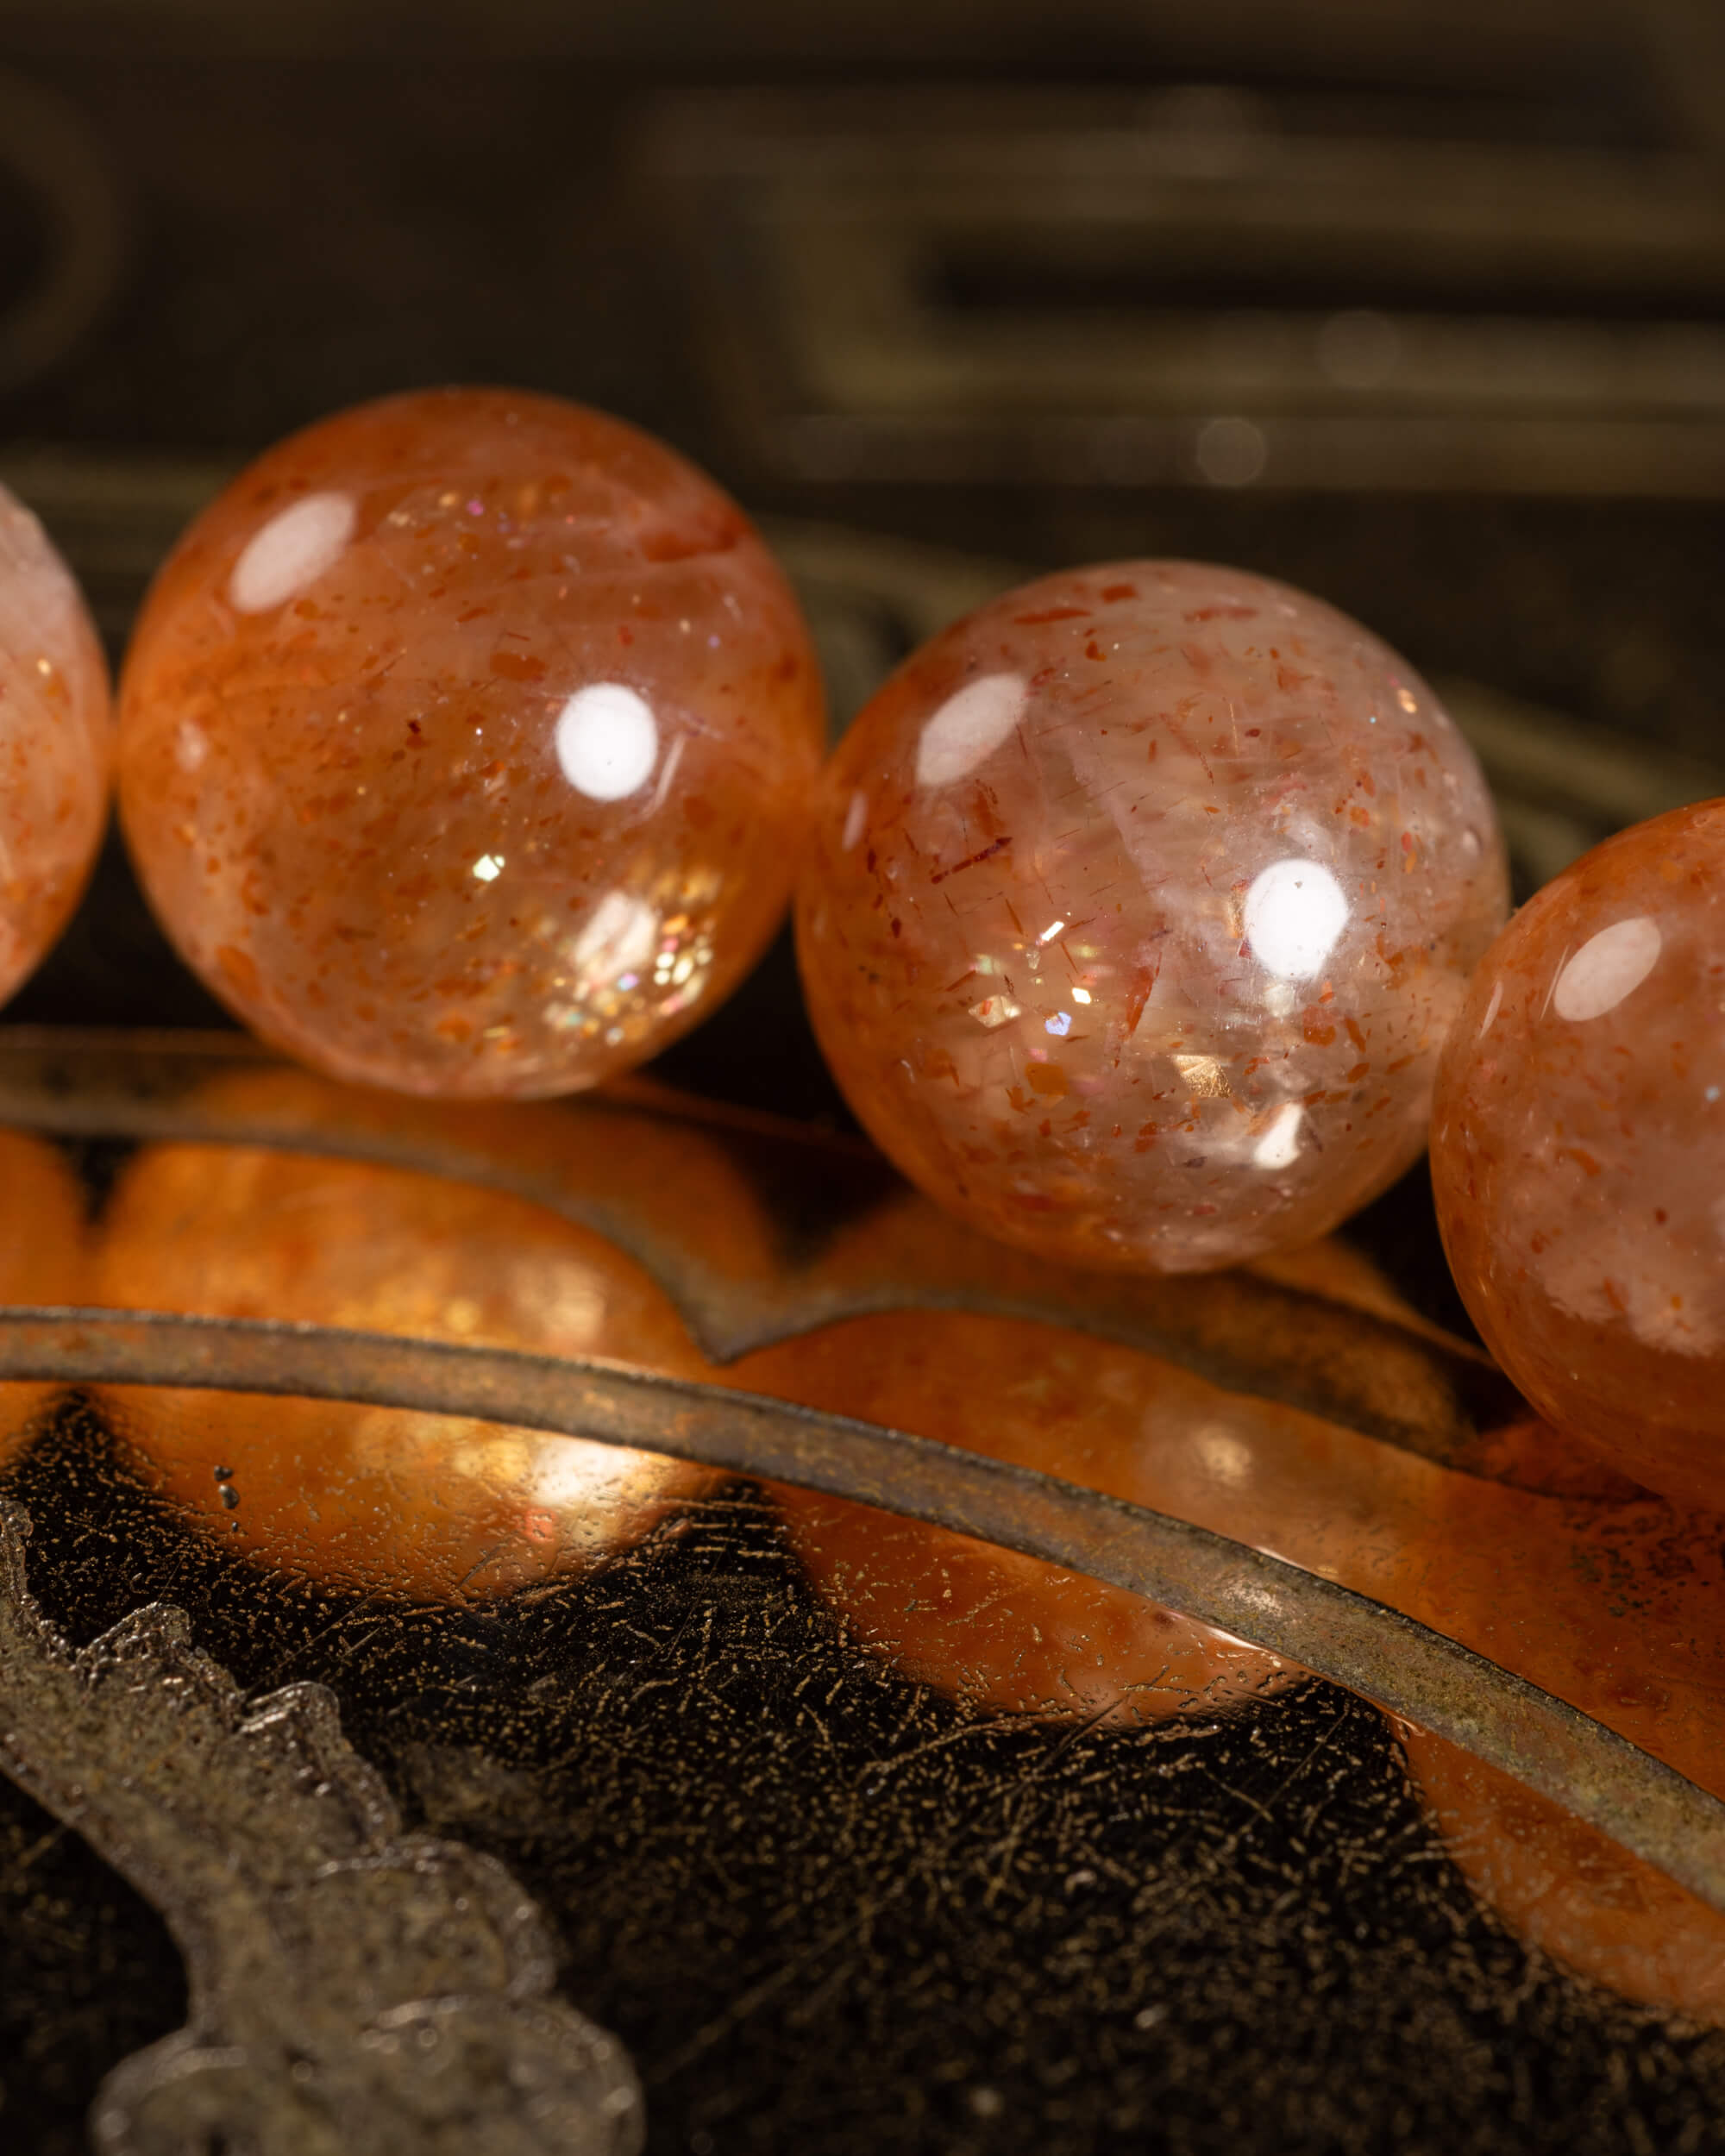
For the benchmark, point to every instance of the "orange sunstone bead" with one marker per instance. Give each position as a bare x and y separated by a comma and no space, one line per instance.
1139,906
1578,1151
56,745
465,742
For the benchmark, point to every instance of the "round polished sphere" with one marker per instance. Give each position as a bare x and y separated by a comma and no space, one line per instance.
1139,906
56,745
465,742
1578,1151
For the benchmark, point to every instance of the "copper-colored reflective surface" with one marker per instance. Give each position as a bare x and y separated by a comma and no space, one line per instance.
422,1504
989,1623
1440,1498
1567,1889
42,1251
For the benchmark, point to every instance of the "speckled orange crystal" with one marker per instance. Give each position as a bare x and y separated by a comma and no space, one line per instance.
1139,905
465,743
1578,1151
56,743
386,1498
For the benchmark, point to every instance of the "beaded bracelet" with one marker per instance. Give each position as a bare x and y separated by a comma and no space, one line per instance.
468,745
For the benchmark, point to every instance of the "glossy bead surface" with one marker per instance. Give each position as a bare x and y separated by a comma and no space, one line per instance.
56,746
392,1499
1578,1151
1139,905
465,745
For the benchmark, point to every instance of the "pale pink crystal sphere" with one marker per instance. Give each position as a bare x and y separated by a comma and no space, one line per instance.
56,747
1578,1151
465,745
1139,906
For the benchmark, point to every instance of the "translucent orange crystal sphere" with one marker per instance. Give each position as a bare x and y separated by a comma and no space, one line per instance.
56,745
1578,1151
1139,905
465,742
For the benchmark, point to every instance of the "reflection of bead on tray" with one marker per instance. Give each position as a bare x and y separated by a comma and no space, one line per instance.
1417,1538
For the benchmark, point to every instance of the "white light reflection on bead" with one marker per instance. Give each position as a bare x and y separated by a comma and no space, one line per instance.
854,817
1295,911
667,773
620,936
967,728
607,741
294,549
1608,967
1279,1147
1491,1010
488,868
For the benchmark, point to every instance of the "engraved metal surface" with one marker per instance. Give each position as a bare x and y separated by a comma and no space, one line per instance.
353,1988
1212,284
1656,1814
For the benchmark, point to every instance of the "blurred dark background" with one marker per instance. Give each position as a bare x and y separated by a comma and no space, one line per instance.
1419,303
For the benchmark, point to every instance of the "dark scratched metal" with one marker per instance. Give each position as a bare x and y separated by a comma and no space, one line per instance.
1404,1666
355,1990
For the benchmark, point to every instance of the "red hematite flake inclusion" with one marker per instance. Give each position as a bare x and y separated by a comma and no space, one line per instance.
1138,907
465,742
1578,1151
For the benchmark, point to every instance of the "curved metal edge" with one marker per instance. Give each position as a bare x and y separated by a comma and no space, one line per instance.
1401,1664
701,1295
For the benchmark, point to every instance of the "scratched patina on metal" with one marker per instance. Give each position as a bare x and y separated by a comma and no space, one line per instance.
643,1746
349,1983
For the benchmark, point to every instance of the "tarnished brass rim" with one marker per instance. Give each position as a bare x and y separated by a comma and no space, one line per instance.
1654,1812
142,1085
